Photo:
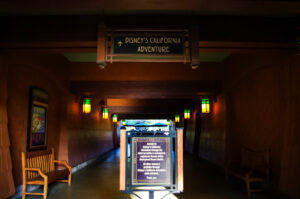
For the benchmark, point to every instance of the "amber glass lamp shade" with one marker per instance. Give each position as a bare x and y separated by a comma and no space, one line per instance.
177,118
205,106
168,122
187,113
105,113
86,105
115,118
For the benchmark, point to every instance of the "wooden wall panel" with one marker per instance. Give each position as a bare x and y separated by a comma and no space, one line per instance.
88,134
213,132
290,164
48,72
7,187
262,111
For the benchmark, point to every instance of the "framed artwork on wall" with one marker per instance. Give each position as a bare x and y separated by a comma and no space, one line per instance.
37,123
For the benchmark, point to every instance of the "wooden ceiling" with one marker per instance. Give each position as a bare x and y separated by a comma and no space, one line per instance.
219,7
147,89
141,108
161,90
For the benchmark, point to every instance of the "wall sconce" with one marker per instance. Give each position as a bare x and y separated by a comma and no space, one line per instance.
168,122
115,118
123,122
177,118
86,105
187,113
205,105
105,113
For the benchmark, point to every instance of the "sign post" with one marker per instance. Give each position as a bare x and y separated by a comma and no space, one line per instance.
151,162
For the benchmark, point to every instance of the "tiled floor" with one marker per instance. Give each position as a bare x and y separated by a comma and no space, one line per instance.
100,180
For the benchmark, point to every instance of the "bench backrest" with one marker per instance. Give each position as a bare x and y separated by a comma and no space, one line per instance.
43,160
257,160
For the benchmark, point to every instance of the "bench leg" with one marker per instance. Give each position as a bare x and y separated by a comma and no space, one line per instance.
69,180
248,186
24,191
45,188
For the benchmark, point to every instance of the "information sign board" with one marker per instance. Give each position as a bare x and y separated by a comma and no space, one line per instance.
151,163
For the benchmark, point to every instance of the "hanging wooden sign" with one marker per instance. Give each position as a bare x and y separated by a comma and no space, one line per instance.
142,45
146,46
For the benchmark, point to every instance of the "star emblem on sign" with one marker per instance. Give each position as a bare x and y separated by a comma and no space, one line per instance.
120,43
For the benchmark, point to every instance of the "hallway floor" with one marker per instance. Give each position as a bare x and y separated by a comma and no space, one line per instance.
100,180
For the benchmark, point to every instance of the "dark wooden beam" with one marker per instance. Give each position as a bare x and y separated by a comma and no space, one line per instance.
147,89
145,116
49,29
245,7
149,102
91,47
148,110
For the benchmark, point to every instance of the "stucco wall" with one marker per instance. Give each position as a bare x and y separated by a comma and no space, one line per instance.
46,72
75,137
213,132
88,134
190,127
7,186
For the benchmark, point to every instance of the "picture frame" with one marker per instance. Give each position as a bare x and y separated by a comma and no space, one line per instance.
37,122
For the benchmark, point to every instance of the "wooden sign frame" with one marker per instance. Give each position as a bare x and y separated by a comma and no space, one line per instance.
174,58
127,160
37,119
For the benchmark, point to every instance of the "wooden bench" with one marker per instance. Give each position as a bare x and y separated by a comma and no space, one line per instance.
254,167
39,168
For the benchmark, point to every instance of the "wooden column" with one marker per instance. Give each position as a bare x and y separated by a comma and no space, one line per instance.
7,187
184,132
115,135
123,159
180,159
101,46
194,46
197,133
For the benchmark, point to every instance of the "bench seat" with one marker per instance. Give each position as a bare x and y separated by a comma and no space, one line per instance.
39,168
254,167
53,176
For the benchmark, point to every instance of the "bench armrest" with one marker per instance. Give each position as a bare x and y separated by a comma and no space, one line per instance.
37,170
63,162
